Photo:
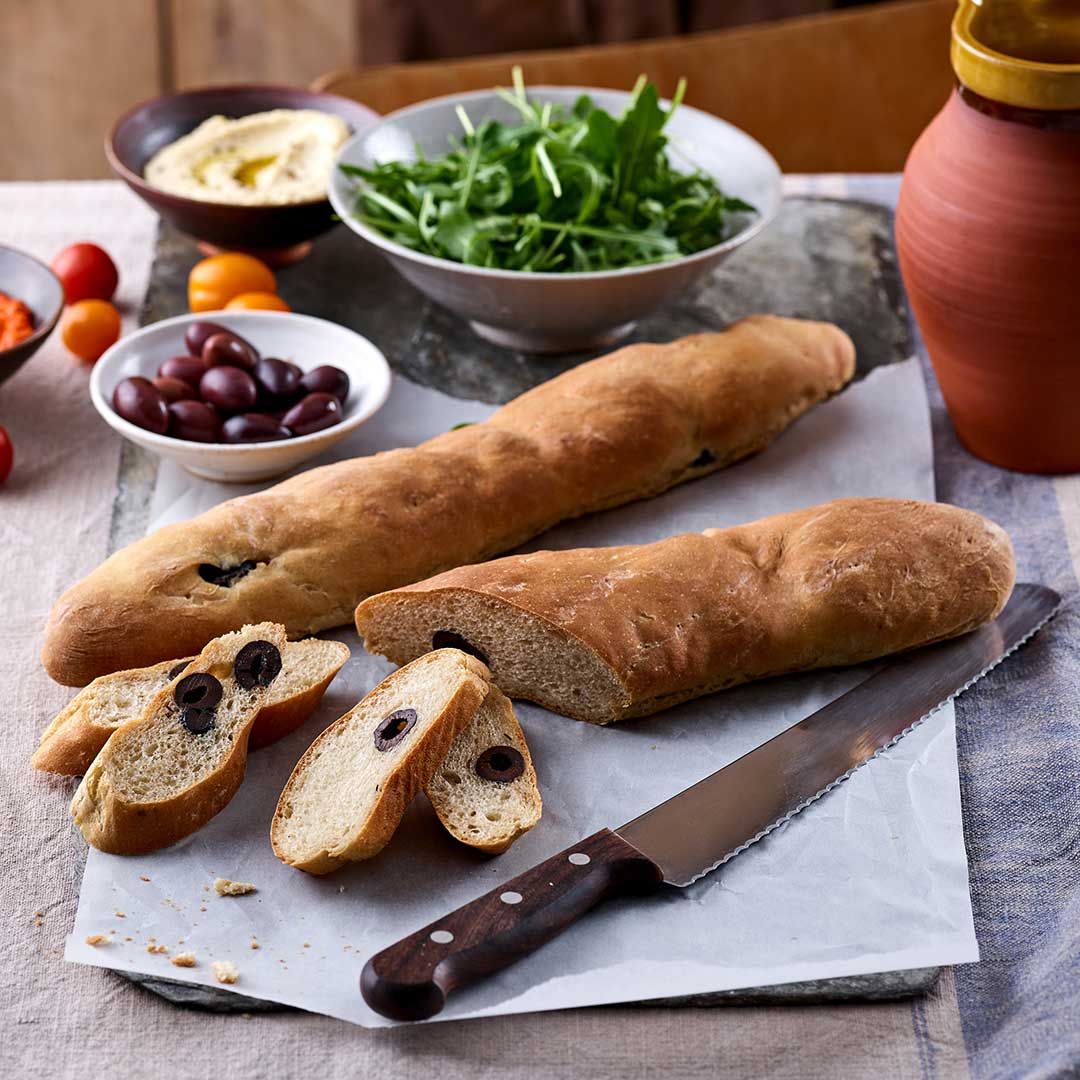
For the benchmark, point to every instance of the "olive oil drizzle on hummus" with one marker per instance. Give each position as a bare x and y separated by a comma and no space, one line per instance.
271,158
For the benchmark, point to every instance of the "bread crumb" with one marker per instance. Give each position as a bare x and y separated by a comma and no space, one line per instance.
39,922
256,945
183,959
39,914
224,887
143,877
159,949
202,907
98,939
129,939
225,971
120,915
307,944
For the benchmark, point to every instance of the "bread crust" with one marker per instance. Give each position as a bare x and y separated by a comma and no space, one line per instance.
623,427
832,585
411,771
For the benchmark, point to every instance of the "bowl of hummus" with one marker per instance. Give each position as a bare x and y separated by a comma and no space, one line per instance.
238,167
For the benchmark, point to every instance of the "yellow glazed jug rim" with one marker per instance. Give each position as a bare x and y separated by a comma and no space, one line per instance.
981,32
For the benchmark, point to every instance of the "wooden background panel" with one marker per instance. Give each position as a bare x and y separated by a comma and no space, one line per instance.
843,91
67,70
278,41
838,92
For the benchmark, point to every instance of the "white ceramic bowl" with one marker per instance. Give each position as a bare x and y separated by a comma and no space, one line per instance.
306,341
552,312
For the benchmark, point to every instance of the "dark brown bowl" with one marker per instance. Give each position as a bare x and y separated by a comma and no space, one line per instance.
146,128
26,279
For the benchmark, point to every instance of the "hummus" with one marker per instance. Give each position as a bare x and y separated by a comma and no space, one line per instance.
266,159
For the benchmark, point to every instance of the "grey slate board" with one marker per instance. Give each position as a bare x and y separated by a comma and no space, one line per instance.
822,259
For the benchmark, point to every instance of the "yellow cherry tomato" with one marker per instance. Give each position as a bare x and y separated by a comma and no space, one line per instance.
213,282
89,327
257,301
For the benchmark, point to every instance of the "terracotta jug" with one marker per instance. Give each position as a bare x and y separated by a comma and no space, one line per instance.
988,234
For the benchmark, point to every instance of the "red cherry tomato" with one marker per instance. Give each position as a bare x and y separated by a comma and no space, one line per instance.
86,272
7,455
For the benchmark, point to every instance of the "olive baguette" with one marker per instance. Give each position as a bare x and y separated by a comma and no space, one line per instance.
623,427
606,633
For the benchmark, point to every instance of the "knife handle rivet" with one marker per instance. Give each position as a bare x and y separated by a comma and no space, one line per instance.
511,898
441,937
579,858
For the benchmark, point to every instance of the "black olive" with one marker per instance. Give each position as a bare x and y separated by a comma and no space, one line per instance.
177,668
197,721
226,576
200,690
257,664
394,728
500,763
447,639
706,457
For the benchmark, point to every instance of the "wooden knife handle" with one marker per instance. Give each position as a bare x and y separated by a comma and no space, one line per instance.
412,978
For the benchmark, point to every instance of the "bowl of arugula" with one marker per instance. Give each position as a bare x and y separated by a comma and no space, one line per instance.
554,218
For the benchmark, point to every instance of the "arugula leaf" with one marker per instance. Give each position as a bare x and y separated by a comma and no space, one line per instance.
550,190
638,140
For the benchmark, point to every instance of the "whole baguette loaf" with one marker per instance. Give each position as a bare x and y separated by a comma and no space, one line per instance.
83,726
623,427
606,633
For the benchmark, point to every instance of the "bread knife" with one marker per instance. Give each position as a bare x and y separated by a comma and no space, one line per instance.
699,829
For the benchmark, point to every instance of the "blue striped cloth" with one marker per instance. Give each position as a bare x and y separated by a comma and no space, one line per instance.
1018,734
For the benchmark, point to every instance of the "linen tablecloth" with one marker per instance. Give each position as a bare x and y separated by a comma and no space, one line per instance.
1016,1013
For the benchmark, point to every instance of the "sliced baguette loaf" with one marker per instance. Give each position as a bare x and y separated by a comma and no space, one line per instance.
485,792
623,427
349,791
606,633
166,774
79,731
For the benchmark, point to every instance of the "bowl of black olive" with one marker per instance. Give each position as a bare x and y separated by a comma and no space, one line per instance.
240,396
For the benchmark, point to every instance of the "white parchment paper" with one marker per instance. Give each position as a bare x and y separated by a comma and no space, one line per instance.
873,877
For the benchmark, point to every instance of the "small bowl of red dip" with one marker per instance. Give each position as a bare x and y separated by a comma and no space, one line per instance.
31,299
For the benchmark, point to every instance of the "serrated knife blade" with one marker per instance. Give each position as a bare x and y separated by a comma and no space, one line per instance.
704,826
699,829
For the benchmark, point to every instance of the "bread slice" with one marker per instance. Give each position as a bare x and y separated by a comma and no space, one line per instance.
82,727
166,774
603,634
348,793
485,791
